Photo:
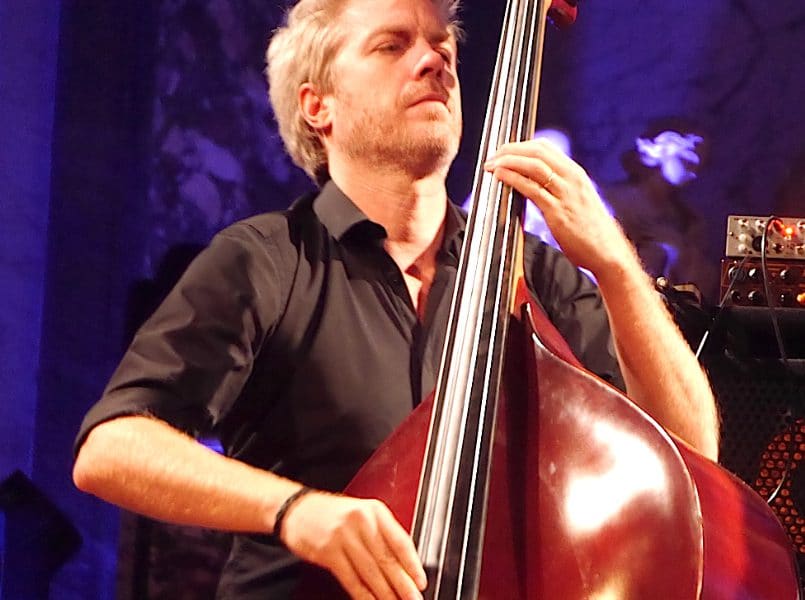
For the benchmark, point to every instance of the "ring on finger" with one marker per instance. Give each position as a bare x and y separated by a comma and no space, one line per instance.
549,181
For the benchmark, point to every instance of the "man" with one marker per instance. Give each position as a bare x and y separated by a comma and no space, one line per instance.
305,337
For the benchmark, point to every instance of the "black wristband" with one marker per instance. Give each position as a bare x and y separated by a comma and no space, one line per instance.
283,509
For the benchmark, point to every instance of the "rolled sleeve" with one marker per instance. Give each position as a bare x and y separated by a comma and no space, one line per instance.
190,360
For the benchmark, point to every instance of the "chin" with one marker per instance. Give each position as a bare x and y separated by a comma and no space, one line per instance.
437,155
440,133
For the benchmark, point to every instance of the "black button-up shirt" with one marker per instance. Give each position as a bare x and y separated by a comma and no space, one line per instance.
293,337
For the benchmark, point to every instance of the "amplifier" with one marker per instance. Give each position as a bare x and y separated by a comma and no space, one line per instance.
745,276
785,239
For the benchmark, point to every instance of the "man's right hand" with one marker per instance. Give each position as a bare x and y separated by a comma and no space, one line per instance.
359,542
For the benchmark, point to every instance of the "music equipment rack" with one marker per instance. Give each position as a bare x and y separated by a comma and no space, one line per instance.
743,281
761,397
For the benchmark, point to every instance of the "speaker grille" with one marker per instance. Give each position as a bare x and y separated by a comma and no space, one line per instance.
762,406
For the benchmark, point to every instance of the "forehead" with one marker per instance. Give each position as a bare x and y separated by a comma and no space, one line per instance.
364,18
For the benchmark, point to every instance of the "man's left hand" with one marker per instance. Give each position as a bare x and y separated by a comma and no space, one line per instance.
569,202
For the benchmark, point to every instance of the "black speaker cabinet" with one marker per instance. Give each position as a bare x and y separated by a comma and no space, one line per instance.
762,402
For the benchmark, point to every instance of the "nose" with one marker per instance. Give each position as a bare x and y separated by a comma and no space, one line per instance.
430,62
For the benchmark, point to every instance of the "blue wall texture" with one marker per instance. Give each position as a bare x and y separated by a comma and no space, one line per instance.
129,128
27,101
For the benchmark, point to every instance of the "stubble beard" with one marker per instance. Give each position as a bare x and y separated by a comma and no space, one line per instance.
419,147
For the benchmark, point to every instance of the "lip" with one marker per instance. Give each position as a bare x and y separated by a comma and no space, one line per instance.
431,97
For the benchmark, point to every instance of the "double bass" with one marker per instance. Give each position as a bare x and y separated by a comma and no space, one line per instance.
525,476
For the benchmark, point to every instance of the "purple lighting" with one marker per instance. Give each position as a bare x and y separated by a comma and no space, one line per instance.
672,152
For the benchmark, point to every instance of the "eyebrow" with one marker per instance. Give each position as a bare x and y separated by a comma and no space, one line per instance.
400,30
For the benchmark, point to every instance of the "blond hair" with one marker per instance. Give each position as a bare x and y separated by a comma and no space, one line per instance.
301,51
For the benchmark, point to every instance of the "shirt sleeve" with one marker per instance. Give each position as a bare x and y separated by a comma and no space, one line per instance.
189,361
574,305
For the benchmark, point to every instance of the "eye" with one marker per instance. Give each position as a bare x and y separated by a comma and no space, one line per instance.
389,47
446,54
391,44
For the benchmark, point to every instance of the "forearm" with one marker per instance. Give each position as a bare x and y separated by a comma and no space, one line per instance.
661,373
144,465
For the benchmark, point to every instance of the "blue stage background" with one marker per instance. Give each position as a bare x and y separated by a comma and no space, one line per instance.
128,129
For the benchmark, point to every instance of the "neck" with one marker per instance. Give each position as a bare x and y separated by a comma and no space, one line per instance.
411,208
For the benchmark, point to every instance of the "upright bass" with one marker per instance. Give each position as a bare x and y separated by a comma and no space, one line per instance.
525,476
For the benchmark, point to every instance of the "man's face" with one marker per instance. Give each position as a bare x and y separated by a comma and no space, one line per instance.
396,98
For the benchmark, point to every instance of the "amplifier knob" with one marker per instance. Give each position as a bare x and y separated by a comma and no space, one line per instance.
755,274
737,297
756,298
791,275
737,274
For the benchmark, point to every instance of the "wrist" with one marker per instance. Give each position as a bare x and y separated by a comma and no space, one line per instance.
285,507
622,270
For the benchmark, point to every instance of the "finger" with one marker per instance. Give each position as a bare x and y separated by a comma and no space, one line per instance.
544,199
400,582
368,563
533,168
542,149
344,571
538,172
400,545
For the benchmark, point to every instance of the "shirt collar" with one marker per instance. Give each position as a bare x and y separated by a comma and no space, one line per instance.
344,220
342,217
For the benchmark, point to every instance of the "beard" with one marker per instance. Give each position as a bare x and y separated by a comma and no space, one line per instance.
384,138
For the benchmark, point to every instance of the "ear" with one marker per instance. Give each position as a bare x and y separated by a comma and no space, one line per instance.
315,107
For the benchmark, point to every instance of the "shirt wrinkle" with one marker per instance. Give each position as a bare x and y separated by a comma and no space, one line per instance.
344,358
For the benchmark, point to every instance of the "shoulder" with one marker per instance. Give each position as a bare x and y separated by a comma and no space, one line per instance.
277,234
276,225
